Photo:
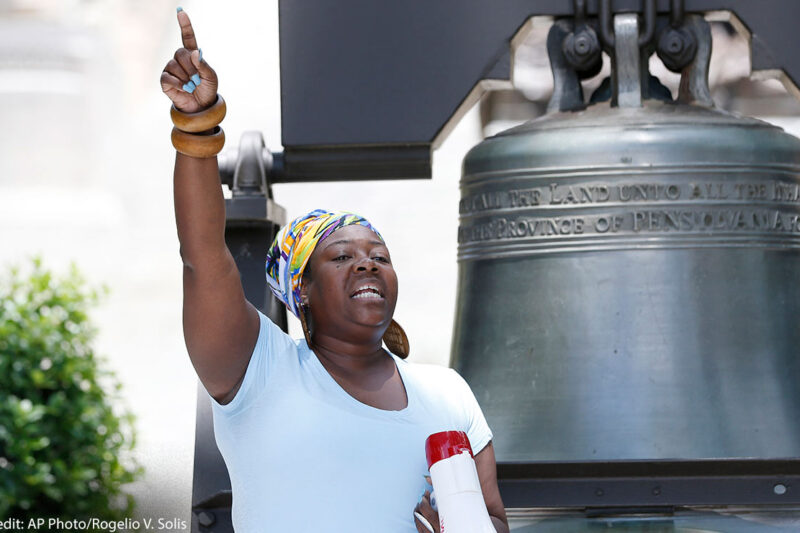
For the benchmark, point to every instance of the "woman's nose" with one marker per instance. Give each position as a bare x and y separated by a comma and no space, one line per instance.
365,263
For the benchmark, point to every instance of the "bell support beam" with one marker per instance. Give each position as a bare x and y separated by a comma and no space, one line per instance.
650,484
370,88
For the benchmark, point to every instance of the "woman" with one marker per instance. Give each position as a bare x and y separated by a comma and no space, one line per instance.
326,433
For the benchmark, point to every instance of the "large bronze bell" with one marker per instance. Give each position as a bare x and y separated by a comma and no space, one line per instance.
629,282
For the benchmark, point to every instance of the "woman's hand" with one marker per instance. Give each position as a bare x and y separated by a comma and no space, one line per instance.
426,510
180,77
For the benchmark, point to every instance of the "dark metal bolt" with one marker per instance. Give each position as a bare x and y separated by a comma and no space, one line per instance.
582,44
206,518
674,43
657,491
582,50
676,48
599,492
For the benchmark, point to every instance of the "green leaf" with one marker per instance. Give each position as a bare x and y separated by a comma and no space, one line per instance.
65,440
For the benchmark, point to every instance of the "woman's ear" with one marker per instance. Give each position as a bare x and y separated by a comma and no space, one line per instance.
305,314
304,295
305,282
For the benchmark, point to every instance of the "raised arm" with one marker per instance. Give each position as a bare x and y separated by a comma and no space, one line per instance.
220,326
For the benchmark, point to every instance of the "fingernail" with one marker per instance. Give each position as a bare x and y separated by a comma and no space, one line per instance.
200,54
179,9
189,87
196,79
424,522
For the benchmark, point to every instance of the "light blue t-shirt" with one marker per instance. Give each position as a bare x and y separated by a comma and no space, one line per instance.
305,456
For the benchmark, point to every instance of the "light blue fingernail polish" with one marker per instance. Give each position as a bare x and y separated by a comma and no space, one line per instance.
196,79
200,54
179,9
189,87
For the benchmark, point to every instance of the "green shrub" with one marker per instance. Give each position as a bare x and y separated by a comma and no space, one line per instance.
65,451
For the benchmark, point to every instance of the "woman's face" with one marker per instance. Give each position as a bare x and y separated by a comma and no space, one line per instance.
352,288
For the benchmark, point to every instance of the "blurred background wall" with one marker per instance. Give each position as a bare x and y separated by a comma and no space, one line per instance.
85,176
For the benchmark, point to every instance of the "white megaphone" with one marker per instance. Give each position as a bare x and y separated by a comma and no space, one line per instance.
455,482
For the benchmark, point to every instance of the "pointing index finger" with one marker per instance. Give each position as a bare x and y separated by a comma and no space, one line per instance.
187,32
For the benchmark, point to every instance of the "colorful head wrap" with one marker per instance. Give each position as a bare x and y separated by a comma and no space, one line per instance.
293,246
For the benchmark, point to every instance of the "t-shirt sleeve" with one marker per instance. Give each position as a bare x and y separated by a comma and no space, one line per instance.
272,347
475,425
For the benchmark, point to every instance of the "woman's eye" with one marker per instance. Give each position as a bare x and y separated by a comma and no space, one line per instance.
342,258
381,259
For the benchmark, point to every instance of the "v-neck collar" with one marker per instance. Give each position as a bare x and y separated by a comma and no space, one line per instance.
360,406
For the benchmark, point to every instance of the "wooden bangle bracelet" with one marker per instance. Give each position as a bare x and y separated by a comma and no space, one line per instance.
197,145
201,120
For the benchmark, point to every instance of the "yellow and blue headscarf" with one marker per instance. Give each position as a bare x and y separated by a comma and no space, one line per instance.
292,248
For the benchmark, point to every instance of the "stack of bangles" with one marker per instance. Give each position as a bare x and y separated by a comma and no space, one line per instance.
198,134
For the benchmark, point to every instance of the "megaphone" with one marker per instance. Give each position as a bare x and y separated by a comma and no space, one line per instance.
455,482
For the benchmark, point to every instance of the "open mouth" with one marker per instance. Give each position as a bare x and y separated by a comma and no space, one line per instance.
366,292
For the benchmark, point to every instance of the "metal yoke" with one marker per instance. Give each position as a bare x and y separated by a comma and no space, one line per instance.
370,88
